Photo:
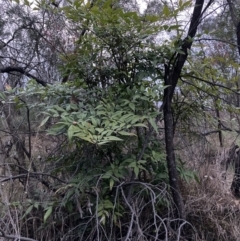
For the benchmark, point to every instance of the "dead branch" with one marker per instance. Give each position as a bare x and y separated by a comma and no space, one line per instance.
22,71
6,236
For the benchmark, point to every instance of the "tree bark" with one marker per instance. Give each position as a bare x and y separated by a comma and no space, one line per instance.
220,135
172,73
235,187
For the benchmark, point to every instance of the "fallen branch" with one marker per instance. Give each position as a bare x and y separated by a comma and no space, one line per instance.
6,236
26,175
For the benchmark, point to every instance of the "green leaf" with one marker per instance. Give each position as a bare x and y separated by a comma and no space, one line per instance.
153,124
133,164
84,137
103,219
140,125
47,214
111,183
166,10
132,106
94,121
135,119
180,51
58,108
112,138
196,178
56,129
136,170
72,130
124,133
30,208
185,4
2,96
99,130
36,205
44,121
108,204
107,175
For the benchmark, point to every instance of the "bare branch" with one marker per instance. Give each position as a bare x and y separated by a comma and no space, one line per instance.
22,71
31,174
213,84
3,235
217,40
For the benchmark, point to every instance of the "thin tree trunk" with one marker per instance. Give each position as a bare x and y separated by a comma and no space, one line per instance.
220,136
172,73
238,96
235,187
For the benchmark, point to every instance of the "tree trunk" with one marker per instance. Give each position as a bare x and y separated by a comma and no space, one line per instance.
171,162
172,73
235,187
236,179
220,136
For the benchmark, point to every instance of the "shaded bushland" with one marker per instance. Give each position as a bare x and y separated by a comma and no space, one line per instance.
119,135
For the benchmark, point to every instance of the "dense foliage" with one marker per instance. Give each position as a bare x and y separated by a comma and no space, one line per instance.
100,102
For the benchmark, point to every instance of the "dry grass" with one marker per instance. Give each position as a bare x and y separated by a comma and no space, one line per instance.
210,206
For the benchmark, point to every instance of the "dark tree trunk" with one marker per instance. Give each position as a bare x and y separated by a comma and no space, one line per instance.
171,162
220,136
172,73
235,187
